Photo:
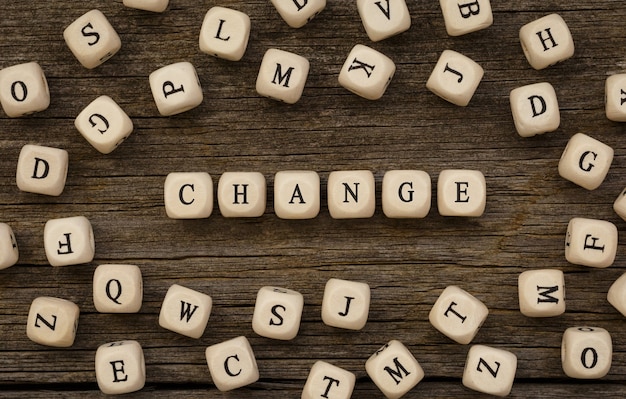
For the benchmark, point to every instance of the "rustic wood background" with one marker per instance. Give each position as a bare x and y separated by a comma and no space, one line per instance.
406,262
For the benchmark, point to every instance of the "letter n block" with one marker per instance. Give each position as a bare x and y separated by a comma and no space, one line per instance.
328,381
42,170
535,109
232,364
120,367
277,313
282,76
351,194
176,88
367,72
23,89
394,370
466,16
591,242
117,289
52,322
586,352
461,192
458,315
92,39
585,161
69,241
490,370
546,41
185,311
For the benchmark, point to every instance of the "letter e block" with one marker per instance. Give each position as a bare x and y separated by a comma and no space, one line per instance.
351,194
92,39
455,78
147,5
394,370
23,89
42,170
9,253
282,76
346,304
617,294
52,322
225,33
176,88
458,315
69,241
406,194
298,13
120,367
586,352
461,192
535,109
591,242
277,313
188,195
546,41
296,194
117,289
104,124
185,311
367,72
541,293
328,381
489,370
232,364
242,194
383,19
585,161
466,16
615,97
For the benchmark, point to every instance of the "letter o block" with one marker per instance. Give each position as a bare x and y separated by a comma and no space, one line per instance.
470,16
406,194
455,78
282,76
490,370
42,170
176,88
585,161
232,364
9,253
591,242
328,381
69,241
461,192
188,195
92,39
535,109
394,370
458,315
52,322
277,313
117,289
367,72
120,367
104,124
546,41
23,89
586,352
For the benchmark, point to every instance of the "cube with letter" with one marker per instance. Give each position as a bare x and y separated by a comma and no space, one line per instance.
535,109
346,304
394,369
406,194
351,194
225,33
466,16
42,170
490,370
296,194
232,364
188,195
52,321
585,161
586,352
328,381
461,192
277,313
591,242
92,39
117,288
384,19
458,314
120,367
176,88
185,311
367,72
242,194
282,76
546,41
104,124
23,89
9,253
541,293
69,241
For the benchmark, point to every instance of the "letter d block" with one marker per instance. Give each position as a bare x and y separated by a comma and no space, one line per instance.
394,370
117,289
591,242
282,76
367,72
458,315
328,381
185,311
52,322
9,253
535,109
277,313
104,124
120,367
585,161
232,364
490,370
92,39
176,88
586,352
455,78
42,170
461,193
23,89
69,241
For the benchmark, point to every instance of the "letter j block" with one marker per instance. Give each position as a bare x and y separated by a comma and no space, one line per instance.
394,369
69,241
282,76
120,367
455,78
176,88
346,304
42,170
591,242
458,314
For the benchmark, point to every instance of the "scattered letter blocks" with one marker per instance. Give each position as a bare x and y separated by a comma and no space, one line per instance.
147,5
282,76
351,194
277,313
298,12
384,19
455,78
23,89
394,370
104,124
458,314
546,41
242,194
52,322
541,293
617,294
232,364
176,88
69,241
535,109
615,97
185,311
9,253
461,192
490,370
92,39
585,161
328,381
42,170
465,16
366,72
296,194
346,304
586,352
225,33
591,242
406,194
188,195
117,289
120,367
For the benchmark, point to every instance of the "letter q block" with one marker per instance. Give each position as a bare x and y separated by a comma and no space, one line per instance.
458,315
591,242
176,88
42,170
535,109
232,364
104,124
461,192
23,89
394,369
455,78
586,352
52,322
92,39
120,367
69,241
9,253
117,289
277,313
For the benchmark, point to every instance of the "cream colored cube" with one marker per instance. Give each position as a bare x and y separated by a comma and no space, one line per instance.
9,253
346,304
351,194
490,370
617,294
282,76
367,72
23,89
585,161
406,194
615,97
42,170
52,322
104,124
296,194
92,39
120,367
461,192
541,293
394,370
586,352
458,315
225,33
619,206
462,17
117,288
591,242
384,19
188,195
535,109
546,41
298,13
242,194
328,381
455,78
69,241
176,88
147,5
185,311
232,364
277,313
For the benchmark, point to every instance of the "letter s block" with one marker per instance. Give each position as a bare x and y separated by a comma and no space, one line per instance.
277,313
120,367
394,370
23,89
92,39
232,364
42,170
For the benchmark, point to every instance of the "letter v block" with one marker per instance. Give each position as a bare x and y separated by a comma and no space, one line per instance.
52,322
120,367
490,370
383,19
185,311
367,72
535,109
394,370
458,315
42,170
282,76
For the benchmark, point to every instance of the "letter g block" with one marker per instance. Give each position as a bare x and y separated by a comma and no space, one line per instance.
585,161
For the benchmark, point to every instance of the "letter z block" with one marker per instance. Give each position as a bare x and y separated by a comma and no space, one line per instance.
466,16
328,381
585,161
23,89
117,289
120,367
298,13
69,241
591,242
9,253
455,78
282,76
394,370
232,364
458,315
42,170
104,124
277,313
367,72
546,41
92,39
383,19
490,370
225,33
185,311
52,322
176,88
535,109
586,352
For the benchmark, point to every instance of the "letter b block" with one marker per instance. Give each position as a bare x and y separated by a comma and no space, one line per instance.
92,39
591,242
69,241
23,89
394,370
458,315
535,109
232,364
277,313
120,367
328,381
585,161
52,322
490,370
466,16
282,76
185,311
117,289
42,170
176,88
586,352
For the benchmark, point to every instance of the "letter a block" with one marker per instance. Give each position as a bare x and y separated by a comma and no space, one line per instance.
546,41
232,364
117,289
225,33
615,97
188,195
52,322
42,170
383,19
104,124
617,294
176,88
586,352
461,192
585,161
455,78
535,109
351,194
185,311
23,89
9,253
92,39
296,194
282,76
120,367
69,241
591,242
466,16
458,315
394,370
277,313
298,13
406,194
242,194
541,293
490,370
367,72
346,304
328,381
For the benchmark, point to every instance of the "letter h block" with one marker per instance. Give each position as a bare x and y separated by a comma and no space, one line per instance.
366,72
23,89
394,370
232,364
546,41
585,161
458,315
42,170
176,88
535,109
466,16
490,370
328,381
591,242
69,241
277,313
52,322
185,311
92,39
282,76
242,194
120,367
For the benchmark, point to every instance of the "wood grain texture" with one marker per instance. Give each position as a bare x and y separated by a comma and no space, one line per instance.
406,262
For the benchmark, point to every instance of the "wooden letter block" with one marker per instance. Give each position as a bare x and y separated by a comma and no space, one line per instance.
282,76
42,170
406,194
232,364
242,194
92,39
490,370
541,293
394,370
188,195
615,97
455,78
461,192
23,89
466,16
458,315
383,19
591,242
619,206
120,367
346,304
367,72
535,109
617,294
147,5
298,13
585,161
351,194
117,289
277,313
185,311
546,41
104,124
176,88
296,194
225,33
586,352
69,241
9,253
52,322
328,381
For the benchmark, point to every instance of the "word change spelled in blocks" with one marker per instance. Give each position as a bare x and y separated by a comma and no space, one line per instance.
9,253
69,241
586,352
225,33
104,124
394,370
466,16
298,13
42,170
52,322
117,288
489,370
541,293
147,5
351,194
546,41
120,367
406,194
277,313
384,19
461,192
585,161
176,88
615,97
296,194
92,39
242,194
185,311
458,315
232,364
455,78
535,109
591,242
367,72
328,381
346,304
188,195
23,89
617,294
282,76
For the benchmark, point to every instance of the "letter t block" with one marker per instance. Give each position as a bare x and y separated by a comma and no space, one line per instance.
458,314
328,381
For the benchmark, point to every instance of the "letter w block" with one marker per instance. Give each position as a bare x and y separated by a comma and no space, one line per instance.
185,311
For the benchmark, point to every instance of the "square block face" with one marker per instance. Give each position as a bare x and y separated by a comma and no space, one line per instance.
9,253
384,19
617,294
591,242
586,352
351,194
232,364
120,367
69,241
277,313
394,370
328,381
282,76
406,194
458,315
490,370
52,322
585,161
615,97
455,78
464,16
185,311
188,195
42,170
546,41
619,206
104,124
225,33
535,109
176,88
296,194
147,5
346,304
92,39
541,293
117,289
298,12
23,90
367,72
461,192
242,194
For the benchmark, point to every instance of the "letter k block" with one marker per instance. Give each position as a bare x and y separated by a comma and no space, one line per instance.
458,315
367,72
42,170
